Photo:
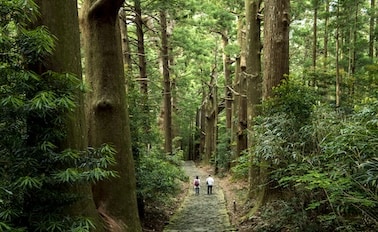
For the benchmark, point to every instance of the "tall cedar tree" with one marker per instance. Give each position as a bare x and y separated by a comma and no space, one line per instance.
61,19
107,112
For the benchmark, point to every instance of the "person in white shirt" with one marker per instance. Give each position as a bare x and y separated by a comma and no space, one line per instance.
210,183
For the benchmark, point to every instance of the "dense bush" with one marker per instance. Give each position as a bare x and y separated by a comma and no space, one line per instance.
324,159
158,177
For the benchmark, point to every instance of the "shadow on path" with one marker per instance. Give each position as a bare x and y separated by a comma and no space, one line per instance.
200,212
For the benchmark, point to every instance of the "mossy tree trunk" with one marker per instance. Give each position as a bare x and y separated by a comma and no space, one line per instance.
61,19
276,44
254,82
108,114
276,69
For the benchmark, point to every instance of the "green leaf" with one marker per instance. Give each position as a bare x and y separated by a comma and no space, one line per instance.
27,182
69,175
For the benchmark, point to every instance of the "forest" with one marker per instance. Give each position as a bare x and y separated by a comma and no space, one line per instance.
102,100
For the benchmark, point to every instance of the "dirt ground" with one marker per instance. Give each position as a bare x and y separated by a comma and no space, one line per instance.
234,193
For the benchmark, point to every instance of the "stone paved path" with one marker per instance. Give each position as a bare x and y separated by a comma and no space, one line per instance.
200,212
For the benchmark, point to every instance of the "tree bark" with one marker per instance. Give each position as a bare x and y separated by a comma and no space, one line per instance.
108,114
372,36
141,51
254,81
241,133
127,62
61,19
326,25
227,78
236,92
338,77
315,35
276,44
167,94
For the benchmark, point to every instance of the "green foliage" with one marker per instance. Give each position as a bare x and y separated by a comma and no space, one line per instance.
241,169
328,162
223,158
37,177
157,177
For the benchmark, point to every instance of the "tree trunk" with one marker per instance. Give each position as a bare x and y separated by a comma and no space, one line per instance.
276,44
326,25
108,114
276,67
315,36
202,124
61,19
227,78
167,94
372,29
241,144
127,62
338,77
141,51
254,81
236,92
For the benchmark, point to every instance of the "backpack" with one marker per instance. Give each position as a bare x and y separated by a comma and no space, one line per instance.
196,182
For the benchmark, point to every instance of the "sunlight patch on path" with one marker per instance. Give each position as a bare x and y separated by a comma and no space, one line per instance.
203,212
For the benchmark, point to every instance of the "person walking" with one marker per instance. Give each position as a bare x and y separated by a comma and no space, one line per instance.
196,185
210,183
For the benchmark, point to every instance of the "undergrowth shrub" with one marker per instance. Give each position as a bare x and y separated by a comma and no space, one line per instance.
158,179
324,160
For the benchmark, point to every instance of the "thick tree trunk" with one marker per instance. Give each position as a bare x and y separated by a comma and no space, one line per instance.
254,81
276,67
242,144
167,94
107,112
236,92
61,19
253,61
276,44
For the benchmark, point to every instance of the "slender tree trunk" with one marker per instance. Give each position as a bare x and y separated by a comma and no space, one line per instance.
372,36
326,25
315,36
143,80
167,84
127,62
338,78
202,126
228,81
108,114
61,19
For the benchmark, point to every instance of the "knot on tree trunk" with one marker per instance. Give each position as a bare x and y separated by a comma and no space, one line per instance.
104,105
